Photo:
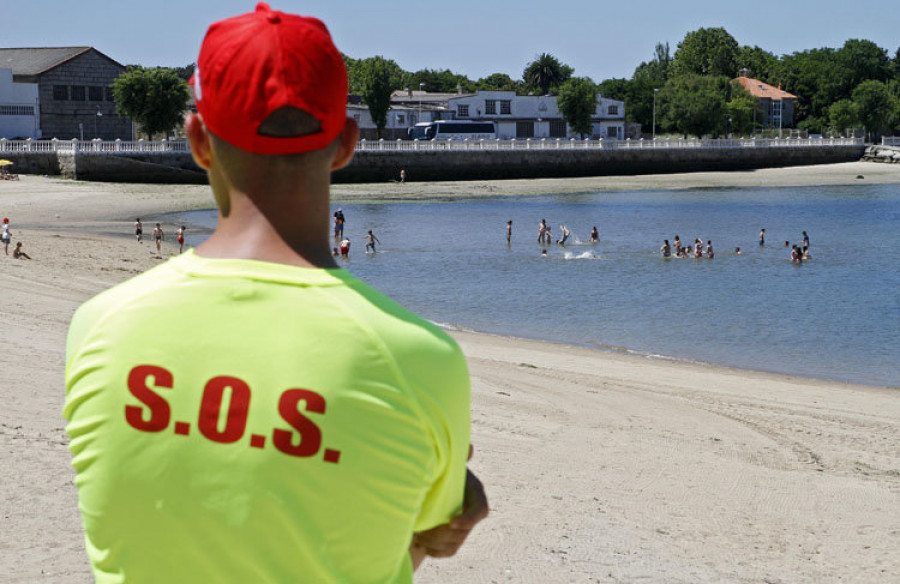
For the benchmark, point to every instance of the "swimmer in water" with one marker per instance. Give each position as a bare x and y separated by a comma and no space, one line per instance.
595,235
665,249
737,251
709,249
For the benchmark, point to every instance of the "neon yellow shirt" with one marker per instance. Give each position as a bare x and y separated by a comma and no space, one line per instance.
242,421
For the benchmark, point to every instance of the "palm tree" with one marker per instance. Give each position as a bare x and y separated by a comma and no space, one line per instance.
545,72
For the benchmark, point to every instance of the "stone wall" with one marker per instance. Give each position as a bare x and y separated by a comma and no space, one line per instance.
889,154
179,168
61,118
439,166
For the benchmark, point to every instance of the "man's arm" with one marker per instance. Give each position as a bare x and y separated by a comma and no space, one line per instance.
445,540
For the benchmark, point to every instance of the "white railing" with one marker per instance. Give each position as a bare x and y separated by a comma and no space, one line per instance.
105,146
97,146
890,140
601,144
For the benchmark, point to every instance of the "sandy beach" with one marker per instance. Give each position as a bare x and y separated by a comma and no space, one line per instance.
600,467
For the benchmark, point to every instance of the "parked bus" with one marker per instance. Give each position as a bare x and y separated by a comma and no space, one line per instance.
453,130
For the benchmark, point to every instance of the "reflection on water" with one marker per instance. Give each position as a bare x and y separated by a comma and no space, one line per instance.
836,316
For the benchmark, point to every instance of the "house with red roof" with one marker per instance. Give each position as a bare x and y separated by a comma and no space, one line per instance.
775,105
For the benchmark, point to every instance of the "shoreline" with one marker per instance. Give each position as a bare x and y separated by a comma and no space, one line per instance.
596,462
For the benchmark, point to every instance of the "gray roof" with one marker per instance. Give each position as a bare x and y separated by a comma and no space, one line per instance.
30,62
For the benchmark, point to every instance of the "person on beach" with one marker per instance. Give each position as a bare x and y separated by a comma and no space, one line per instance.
370,241
139,230
158,236
665,249
339,222
5,236
19,253
402,176
508,233
542,231
709,249
595,235
301,426
762,237
564,231
180,235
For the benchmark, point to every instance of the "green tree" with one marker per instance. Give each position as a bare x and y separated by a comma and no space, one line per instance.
694,104
155,98
741,110
577,102
863,60
545,73
377,86
707,51
440,81
875,106
843,115
758,63
497,82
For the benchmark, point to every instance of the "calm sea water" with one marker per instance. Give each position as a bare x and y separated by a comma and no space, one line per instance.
836,316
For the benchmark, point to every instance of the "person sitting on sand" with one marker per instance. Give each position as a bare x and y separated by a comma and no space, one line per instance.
595,235
19,253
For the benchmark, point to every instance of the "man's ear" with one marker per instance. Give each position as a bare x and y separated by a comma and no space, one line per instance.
198,137
349,136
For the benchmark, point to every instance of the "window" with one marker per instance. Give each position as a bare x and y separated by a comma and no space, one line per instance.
109,94
524,129
17,110
613,110
61,92
78,93
490,107
612,132
95,93
557,129
463,111
401,120
505,107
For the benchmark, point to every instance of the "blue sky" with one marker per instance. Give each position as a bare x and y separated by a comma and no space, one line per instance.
476,38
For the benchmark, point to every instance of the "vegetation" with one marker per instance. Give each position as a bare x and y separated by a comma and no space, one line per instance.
837,89
154,98
577,101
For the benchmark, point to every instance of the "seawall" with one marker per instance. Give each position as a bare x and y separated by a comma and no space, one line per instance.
378,166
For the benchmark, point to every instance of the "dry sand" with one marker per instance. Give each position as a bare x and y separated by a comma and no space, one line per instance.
600,467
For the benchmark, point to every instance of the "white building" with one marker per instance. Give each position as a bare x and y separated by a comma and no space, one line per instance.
19,108
529,116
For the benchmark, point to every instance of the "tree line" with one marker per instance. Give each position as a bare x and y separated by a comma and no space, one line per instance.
691,90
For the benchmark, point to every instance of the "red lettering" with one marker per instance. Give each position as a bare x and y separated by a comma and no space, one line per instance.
160,413
211,407
310,435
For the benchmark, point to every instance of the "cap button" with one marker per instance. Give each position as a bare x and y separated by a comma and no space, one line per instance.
274,17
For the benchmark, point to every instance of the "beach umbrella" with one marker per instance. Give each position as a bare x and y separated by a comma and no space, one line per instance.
6,162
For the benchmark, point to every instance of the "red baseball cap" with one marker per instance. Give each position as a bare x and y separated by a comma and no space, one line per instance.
253,64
